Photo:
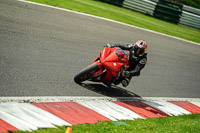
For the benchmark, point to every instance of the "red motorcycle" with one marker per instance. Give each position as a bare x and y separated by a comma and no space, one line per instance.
106,68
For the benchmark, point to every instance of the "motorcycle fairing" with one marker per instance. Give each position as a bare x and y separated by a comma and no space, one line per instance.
109,63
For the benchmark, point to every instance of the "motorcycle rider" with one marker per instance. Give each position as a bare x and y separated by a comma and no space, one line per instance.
137,57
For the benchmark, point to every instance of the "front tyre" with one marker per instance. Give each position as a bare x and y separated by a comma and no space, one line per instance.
86,73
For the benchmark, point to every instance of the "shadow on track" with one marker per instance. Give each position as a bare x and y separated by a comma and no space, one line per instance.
113,91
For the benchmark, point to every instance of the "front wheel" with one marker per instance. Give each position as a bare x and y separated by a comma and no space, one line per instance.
86,73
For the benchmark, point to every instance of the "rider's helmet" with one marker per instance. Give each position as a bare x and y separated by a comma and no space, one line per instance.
139,48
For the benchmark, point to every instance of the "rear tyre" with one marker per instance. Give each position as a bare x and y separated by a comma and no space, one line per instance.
86,73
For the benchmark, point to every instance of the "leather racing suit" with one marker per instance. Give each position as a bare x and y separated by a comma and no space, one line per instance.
137,62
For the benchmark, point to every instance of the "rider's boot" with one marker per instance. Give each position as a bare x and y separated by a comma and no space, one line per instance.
125,82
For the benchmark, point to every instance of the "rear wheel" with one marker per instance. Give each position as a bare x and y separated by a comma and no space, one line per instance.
86,73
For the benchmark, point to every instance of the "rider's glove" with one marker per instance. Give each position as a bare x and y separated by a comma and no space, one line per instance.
125,74
108,45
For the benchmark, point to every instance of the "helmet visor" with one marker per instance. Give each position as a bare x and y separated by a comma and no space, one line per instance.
139,51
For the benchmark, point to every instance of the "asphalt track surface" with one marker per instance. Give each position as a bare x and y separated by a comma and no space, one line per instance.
41,49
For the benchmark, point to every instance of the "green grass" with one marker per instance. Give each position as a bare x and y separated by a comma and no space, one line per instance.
193,3
175,124
127,16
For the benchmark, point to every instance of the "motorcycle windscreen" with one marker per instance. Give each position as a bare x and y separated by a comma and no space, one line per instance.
105,53
112,56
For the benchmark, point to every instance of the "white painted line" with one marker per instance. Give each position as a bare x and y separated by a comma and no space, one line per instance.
110,110
78,98
67,10
63,98
168,108
170,99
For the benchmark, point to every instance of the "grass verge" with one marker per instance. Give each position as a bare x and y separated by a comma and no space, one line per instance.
176,124
101,9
